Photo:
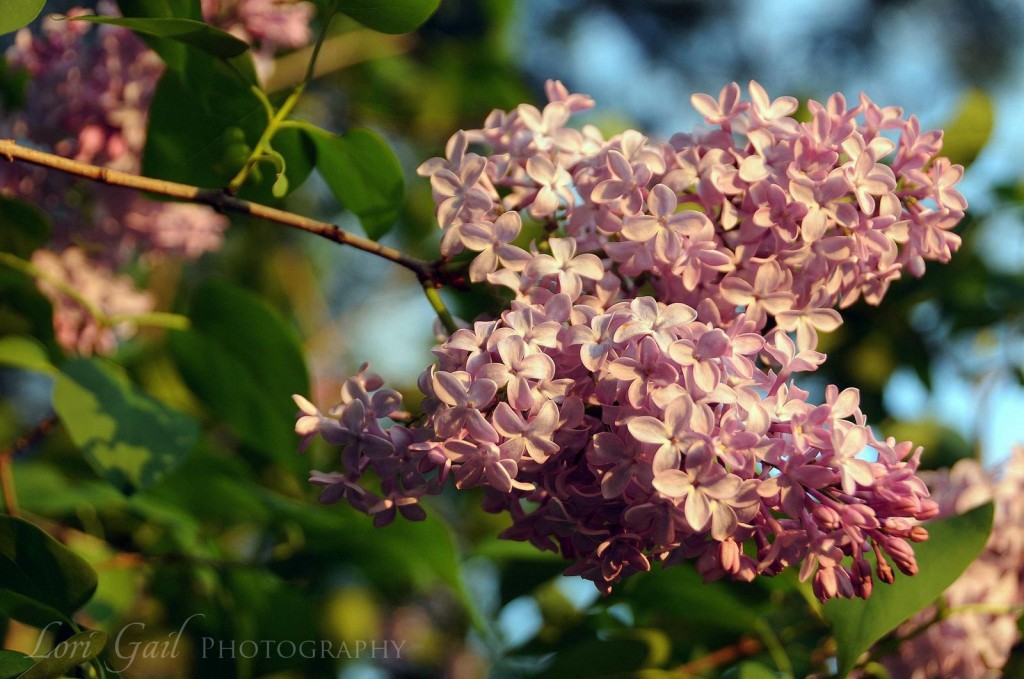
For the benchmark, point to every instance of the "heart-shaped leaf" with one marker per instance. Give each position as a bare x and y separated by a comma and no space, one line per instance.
364,174
18,13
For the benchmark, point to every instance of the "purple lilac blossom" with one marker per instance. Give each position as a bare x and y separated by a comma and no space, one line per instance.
619,427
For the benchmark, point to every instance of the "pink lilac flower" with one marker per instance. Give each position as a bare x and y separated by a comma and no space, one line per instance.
982,609
75,327
636,400
268,25
87,99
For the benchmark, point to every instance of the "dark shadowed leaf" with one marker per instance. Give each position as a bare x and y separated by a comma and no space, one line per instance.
364,174
23,227
162,9
952,545
68,654
625,652
244,362
130,438
389,16
18,13
208,38
41,580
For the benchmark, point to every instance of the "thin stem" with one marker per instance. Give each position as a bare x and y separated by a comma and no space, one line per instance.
311,67
155,319
218,200
7,458
263,146
745,647
434,297
29,269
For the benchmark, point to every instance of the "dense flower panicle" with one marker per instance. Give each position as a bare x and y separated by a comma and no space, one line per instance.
618,427
75,327
982,608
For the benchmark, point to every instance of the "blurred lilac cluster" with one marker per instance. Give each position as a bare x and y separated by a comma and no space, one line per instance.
636,400
87,98
971,636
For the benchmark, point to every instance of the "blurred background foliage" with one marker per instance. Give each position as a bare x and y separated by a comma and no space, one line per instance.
230,532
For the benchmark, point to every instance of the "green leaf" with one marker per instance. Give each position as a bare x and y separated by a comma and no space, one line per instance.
68,654
751,670
364,174
18,13
130,438
25,353
162,9
626,651
389,16
12,663
203,123
24,228
41,580
244,362
952,545
966,135
208,38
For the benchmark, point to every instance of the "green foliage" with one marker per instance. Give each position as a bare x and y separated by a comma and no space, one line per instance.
67,655
12,664
966,135
41,580
364,174
25,353
244,363
386,16
18,13
616,656
131,439
23,227
952,545
197,34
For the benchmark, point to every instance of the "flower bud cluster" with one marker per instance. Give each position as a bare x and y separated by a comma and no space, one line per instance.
974,632
636,400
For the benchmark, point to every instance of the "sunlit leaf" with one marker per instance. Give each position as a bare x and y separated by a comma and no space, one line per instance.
210,39
18,13
25,353
966,135
41,580
130,438
364,174
68,654
952,545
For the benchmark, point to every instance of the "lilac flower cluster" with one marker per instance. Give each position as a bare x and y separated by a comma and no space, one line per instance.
636,400
267,25
973,634
75,327
87,98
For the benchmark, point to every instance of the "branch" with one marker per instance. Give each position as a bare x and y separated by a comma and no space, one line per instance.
426,272
6,457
